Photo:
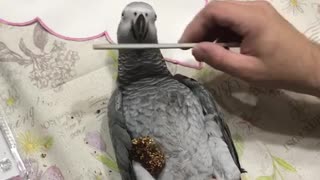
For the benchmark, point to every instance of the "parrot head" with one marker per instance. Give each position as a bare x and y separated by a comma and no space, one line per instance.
137,24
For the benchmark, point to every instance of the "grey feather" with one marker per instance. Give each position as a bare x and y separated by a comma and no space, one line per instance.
209,108
120,137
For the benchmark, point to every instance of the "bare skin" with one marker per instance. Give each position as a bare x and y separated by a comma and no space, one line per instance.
272,54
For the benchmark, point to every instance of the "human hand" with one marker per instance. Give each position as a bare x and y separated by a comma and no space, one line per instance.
272,52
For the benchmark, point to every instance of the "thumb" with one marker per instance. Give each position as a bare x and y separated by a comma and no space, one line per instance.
224,60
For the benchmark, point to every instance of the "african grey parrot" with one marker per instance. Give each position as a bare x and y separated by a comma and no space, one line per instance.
178,112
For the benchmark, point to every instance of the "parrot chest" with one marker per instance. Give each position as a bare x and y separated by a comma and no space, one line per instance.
167,111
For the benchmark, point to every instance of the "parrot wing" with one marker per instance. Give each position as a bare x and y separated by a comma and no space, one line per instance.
208,104
120,137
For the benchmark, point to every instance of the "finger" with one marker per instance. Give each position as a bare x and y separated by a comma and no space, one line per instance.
226,35
217,14
227,61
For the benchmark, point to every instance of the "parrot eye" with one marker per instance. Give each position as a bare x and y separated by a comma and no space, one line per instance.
146,14
135,13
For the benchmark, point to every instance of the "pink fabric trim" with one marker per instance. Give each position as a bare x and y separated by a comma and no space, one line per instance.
51,31
105,34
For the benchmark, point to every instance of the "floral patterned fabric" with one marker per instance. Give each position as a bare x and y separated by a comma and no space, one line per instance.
54,93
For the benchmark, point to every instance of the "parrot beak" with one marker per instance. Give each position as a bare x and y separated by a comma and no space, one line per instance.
140,28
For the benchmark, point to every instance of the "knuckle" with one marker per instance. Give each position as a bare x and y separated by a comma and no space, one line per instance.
206,12
265,3
215,6
266,6
211,10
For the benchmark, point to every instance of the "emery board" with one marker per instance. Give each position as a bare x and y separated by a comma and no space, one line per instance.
157,46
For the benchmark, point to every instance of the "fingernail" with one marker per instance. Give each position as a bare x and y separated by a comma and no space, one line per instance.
199,53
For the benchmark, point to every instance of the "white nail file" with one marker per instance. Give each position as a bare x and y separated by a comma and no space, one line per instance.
156,46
